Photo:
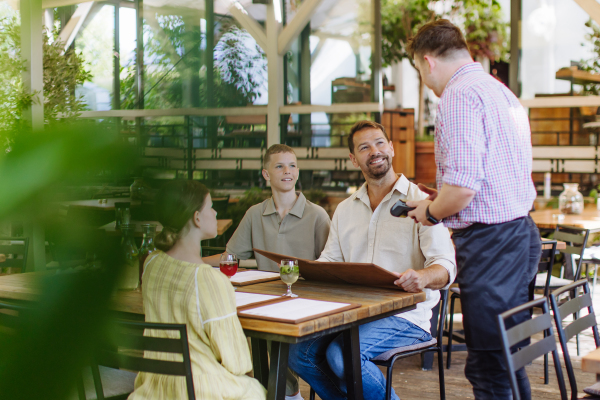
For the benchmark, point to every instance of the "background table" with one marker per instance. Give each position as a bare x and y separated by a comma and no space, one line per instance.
589,219
111,230
591,363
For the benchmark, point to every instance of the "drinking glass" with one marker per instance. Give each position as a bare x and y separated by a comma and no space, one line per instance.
228,264
289,272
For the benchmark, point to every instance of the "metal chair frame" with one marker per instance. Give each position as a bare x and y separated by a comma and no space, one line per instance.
130,335
572,307
525,330
438,347
17,249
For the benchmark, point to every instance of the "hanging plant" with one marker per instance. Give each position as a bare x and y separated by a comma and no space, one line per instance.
62,73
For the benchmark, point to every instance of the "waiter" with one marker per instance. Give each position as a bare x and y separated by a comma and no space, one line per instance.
484,193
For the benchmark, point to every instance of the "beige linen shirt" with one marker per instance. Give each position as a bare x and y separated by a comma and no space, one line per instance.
359,234
302,233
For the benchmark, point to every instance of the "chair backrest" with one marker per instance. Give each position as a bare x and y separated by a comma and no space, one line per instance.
15,251
572,307
437,325
129,335
220,204
576,240
547,261
526,330
11,316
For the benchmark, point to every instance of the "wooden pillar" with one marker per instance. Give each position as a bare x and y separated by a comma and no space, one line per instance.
275,66
32,52
515,47
305,92
32,55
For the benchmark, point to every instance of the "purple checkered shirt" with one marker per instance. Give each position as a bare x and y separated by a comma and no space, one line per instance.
483,142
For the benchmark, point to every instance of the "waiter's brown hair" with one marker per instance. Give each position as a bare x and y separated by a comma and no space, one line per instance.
439,38
359,126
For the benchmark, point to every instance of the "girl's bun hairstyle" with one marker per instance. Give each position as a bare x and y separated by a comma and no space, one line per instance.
176,204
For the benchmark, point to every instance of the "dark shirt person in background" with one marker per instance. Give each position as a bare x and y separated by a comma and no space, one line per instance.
483,157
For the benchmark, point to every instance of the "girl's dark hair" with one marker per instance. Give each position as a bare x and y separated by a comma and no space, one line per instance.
176,204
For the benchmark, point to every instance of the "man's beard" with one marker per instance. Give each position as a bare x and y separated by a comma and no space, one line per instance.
380,172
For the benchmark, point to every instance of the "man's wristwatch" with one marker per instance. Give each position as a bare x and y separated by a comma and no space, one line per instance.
430,218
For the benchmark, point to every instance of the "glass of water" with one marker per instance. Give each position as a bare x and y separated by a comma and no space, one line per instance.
289,272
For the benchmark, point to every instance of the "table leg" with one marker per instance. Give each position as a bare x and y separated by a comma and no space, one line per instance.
260,360
352,363
277,372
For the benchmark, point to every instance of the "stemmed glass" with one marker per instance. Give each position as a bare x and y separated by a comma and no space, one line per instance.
228,264
289,273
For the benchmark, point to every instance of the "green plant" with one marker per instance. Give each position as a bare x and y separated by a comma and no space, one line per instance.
62,73
484,29
315,195
480,21
592,64
241,66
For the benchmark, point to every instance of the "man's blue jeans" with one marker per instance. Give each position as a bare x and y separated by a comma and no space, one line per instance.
320,361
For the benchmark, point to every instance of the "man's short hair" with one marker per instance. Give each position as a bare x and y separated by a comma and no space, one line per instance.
359,126
439,38
276,149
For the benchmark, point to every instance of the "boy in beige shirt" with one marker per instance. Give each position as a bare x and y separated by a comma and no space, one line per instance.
286,223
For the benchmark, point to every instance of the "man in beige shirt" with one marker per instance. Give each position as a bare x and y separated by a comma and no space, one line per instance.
286,223
364,231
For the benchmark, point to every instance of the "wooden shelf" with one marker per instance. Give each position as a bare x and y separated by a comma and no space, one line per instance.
577,76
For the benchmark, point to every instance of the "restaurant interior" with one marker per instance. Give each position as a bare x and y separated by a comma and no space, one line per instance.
104,103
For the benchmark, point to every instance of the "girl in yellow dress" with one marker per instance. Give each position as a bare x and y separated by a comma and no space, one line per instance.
179,288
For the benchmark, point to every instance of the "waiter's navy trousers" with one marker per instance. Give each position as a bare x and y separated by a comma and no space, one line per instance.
496,264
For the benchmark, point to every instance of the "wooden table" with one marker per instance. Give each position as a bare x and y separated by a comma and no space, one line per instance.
589,219
591,363
111,230
559,245
375,304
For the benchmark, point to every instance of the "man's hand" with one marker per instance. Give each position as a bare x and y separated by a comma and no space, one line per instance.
411,281
419,213
430,191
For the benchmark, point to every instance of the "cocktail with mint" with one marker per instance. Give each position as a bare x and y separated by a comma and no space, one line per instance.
289,273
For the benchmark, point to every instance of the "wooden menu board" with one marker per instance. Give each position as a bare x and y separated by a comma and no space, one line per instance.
251,277
293,310
363,274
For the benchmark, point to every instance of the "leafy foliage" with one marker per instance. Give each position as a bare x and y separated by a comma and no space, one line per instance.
241,63
484,30
480,21
400,20
62,73
593,64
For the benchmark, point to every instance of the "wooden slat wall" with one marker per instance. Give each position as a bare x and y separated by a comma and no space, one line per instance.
400,126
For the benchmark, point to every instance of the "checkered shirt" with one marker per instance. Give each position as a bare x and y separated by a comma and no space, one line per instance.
483,142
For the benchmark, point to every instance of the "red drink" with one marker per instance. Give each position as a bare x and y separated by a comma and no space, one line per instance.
229,268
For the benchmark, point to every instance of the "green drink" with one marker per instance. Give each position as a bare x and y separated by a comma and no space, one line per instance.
289,273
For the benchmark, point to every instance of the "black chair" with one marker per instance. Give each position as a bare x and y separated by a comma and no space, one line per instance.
545,269
15,251
572,307
388,358
525,330
576,240
127,343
